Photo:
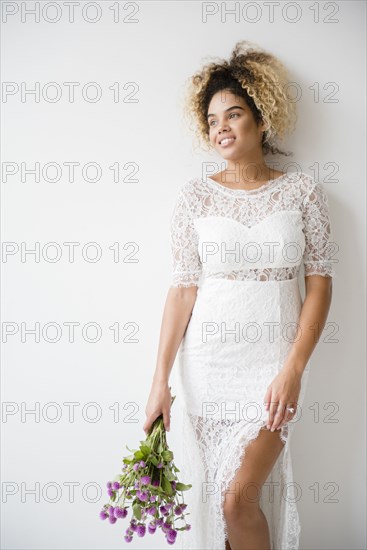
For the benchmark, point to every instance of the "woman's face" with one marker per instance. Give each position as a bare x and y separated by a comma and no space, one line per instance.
230,117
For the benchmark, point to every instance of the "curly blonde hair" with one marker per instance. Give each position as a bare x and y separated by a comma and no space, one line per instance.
257,76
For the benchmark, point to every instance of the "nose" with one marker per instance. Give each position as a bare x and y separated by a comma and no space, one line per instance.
222,128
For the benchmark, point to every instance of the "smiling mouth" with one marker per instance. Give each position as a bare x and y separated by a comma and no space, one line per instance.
226,141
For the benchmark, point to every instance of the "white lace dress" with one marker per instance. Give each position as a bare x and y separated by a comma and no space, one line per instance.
243,249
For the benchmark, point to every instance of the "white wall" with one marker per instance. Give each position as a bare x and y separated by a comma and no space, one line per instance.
167,42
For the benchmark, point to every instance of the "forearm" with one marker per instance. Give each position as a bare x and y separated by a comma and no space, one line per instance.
176,315
311,322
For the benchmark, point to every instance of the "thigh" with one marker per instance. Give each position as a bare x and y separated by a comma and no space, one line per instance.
257,462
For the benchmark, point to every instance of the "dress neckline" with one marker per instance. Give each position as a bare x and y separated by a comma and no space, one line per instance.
264,187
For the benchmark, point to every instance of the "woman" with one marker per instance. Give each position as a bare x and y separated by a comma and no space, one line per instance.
238,240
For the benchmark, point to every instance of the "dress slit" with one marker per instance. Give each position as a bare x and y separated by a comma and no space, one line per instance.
237,456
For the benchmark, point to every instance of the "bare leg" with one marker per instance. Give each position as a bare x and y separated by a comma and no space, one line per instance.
246,523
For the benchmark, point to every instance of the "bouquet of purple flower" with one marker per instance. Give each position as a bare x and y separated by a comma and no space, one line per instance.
149,481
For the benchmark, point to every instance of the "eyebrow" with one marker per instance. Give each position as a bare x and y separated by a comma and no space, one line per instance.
229,109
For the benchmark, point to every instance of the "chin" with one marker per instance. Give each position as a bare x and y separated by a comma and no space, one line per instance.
229,155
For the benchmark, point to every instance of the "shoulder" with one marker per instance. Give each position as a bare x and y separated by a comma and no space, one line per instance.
313,192
304,182
192,192
307,187
190,186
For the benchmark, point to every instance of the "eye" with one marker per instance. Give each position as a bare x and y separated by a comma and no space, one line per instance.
235,114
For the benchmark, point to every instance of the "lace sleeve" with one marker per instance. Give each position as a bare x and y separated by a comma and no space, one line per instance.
317,257
186,263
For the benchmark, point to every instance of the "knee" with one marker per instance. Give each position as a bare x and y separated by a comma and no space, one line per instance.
238,510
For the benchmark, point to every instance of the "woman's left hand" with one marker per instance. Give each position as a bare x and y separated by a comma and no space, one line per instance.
283,392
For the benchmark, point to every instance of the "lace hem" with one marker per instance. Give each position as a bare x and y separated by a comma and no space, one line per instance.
185,280
319,268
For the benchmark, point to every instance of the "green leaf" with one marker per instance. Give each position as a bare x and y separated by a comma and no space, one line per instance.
153,460
145,450
167,487
139,455
169,474
182,487
137,511
167,456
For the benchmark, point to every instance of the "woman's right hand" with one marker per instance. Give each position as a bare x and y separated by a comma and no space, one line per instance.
159,402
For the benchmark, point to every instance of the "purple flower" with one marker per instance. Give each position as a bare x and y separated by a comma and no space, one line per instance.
136,466
152,528
140,530
111,510
178,510
171,535
183,507
151,510
187,527
112,519
103,514
142,495
109,484
159,521
153,498
116,485
174,484
120,512
145,480
156,483
160,465
128,539
133,525
110,492
142,464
